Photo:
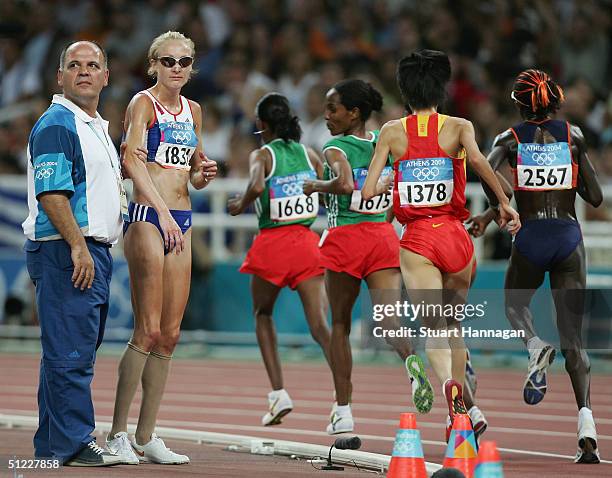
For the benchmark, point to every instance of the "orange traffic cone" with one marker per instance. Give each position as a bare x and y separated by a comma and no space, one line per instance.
407,458
488,464
461,450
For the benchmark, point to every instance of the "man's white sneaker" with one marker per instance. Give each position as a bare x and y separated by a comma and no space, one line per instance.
156,451
120,446
279,405
587,438
93,455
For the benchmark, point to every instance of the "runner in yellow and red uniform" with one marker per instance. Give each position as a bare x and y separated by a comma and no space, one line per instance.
429,152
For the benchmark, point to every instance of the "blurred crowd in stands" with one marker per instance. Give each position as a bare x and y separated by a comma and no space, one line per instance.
245,48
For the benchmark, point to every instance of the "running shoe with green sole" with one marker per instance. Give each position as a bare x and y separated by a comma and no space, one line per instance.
422,391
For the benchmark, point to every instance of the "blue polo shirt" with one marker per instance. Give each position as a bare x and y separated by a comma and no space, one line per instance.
71,152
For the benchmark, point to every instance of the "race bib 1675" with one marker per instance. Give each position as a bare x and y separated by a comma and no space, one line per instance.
377,204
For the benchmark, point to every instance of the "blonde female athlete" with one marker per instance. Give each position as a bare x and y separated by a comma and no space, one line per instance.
158,239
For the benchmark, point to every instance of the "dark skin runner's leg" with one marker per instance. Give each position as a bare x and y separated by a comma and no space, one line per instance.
264,295
314,302
342,290
568,281
522,280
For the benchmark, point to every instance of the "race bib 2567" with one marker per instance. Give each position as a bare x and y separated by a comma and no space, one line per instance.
544,167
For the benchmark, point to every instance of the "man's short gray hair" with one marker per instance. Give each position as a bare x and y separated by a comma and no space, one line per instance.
65,50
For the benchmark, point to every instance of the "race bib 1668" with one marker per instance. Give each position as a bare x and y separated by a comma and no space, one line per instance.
287,199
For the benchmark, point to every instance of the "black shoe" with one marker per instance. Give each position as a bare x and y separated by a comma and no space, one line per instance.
93,455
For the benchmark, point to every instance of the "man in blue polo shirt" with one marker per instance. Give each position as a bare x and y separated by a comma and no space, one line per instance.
75,197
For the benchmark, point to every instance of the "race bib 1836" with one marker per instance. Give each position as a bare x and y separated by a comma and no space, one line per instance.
177,144
287,199
544,167
425,182
377,204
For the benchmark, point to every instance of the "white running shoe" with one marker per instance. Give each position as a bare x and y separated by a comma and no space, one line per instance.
120,446
333,410
340,423
587,438
156,451
279,404
535,385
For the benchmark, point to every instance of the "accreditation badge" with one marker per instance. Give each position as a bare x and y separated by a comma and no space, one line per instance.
123,200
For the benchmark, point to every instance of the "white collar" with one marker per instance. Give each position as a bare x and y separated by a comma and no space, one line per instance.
83,116
370,140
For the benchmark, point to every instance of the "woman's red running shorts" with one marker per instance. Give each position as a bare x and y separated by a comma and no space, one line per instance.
360,249
284,256
442,239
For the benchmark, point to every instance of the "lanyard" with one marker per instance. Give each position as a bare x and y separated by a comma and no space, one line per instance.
106,146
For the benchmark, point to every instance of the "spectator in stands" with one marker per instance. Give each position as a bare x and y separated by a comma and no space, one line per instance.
314,128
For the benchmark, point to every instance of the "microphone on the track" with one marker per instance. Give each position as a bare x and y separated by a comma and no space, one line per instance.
353,443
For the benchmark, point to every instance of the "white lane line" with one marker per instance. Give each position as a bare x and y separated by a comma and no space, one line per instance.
371,390
238,392
199,411
28,393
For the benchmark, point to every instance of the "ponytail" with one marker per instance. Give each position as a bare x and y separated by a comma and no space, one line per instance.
273,109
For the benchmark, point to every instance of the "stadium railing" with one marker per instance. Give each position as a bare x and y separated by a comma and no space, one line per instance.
210,214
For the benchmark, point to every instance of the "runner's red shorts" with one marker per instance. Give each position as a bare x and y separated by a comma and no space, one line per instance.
284,256
441,239
360,249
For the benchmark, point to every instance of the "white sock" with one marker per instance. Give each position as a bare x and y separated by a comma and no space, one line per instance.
276,393
535,343
344,410
586,423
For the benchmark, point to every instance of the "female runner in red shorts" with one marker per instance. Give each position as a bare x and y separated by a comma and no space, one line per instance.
429,152
360,243
285,252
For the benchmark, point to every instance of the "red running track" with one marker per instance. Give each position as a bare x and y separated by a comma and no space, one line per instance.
230,397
